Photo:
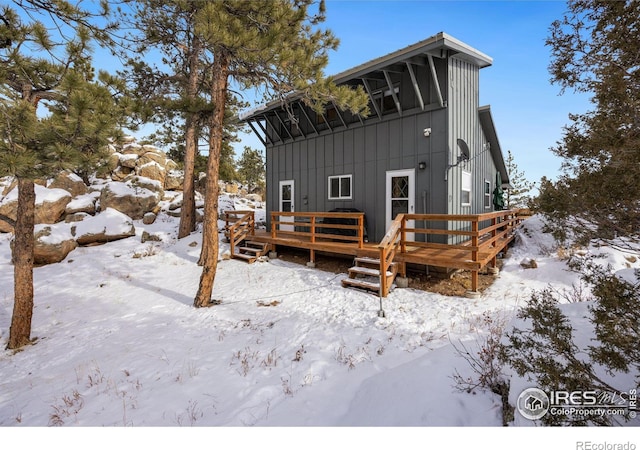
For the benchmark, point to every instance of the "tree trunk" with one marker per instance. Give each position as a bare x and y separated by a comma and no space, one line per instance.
20,332
188,211
210,239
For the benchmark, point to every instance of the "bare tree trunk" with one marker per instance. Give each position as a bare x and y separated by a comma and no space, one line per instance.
210,240
188,211
20,332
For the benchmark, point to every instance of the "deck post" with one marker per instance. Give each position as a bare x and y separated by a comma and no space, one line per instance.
361,231
474,281
403,236
473,292
313,233
383,271
273,225
474,240
312,258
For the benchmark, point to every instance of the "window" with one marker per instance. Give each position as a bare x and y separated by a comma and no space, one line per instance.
487,194
465,195
340,187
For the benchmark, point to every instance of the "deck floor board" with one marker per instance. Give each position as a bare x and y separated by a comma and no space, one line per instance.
448,258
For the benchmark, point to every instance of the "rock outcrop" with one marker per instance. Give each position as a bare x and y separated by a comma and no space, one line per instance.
50,206
52,243
129,198
147,161
109,225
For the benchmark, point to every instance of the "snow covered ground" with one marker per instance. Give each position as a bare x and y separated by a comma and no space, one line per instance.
119,344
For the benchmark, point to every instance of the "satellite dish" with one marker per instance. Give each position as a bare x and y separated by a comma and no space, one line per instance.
464,150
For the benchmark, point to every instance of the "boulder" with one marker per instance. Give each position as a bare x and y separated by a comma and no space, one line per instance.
53,242
120,173
133,149
109,225
76,217
50,204
148,157
149,218
7,184
231,188
129,160
134,201
8,208
152,170
174,180
83,204
170,165
254,198
110,164
70,182
146,183
146,237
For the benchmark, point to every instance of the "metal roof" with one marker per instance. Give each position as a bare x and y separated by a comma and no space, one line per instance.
437,46
434,45
489,129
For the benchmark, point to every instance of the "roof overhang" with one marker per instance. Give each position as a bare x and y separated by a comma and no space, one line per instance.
440,45
436,45
489,129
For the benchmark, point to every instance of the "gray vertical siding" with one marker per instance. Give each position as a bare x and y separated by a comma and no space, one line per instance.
368,149
465,124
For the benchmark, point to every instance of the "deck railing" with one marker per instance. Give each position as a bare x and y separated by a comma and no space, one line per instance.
473,232
481,236
392,241
239,225
315,227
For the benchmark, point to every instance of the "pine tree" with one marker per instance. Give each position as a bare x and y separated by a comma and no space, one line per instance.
595,50
174,93
278,48
518,195
251,169
53,116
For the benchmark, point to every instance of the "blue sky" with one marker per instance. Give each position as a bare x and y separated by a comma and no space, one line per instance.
527,109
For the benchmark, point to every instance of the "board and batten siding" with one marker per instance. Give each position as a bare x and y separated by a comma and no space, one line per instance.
464,122
366,152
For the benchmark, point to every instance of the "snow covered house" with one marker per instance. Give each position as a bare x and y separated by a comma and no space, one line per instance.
428,146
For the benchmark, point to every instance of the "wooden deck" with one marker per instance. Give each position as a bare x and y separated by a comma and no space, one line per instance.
479,238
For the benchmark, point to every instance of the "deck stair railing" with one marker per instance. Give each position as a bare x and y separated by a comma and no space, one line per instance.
466,242
239,228
392,242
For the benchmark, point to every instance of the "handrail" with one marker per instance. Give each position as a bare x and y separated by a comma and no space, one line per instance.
241,228
478,239
305,224
388,248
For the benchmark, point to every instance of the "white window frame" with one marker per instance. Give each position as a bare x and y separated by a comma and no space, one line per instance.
487,194
340,178
465,186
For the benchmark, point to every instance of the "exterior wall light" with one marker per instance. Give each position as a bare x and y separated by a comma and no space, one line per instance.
422,165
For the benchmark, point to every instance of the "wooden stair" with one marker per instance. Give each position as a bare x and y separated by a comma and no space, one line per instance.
250,251
366,274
